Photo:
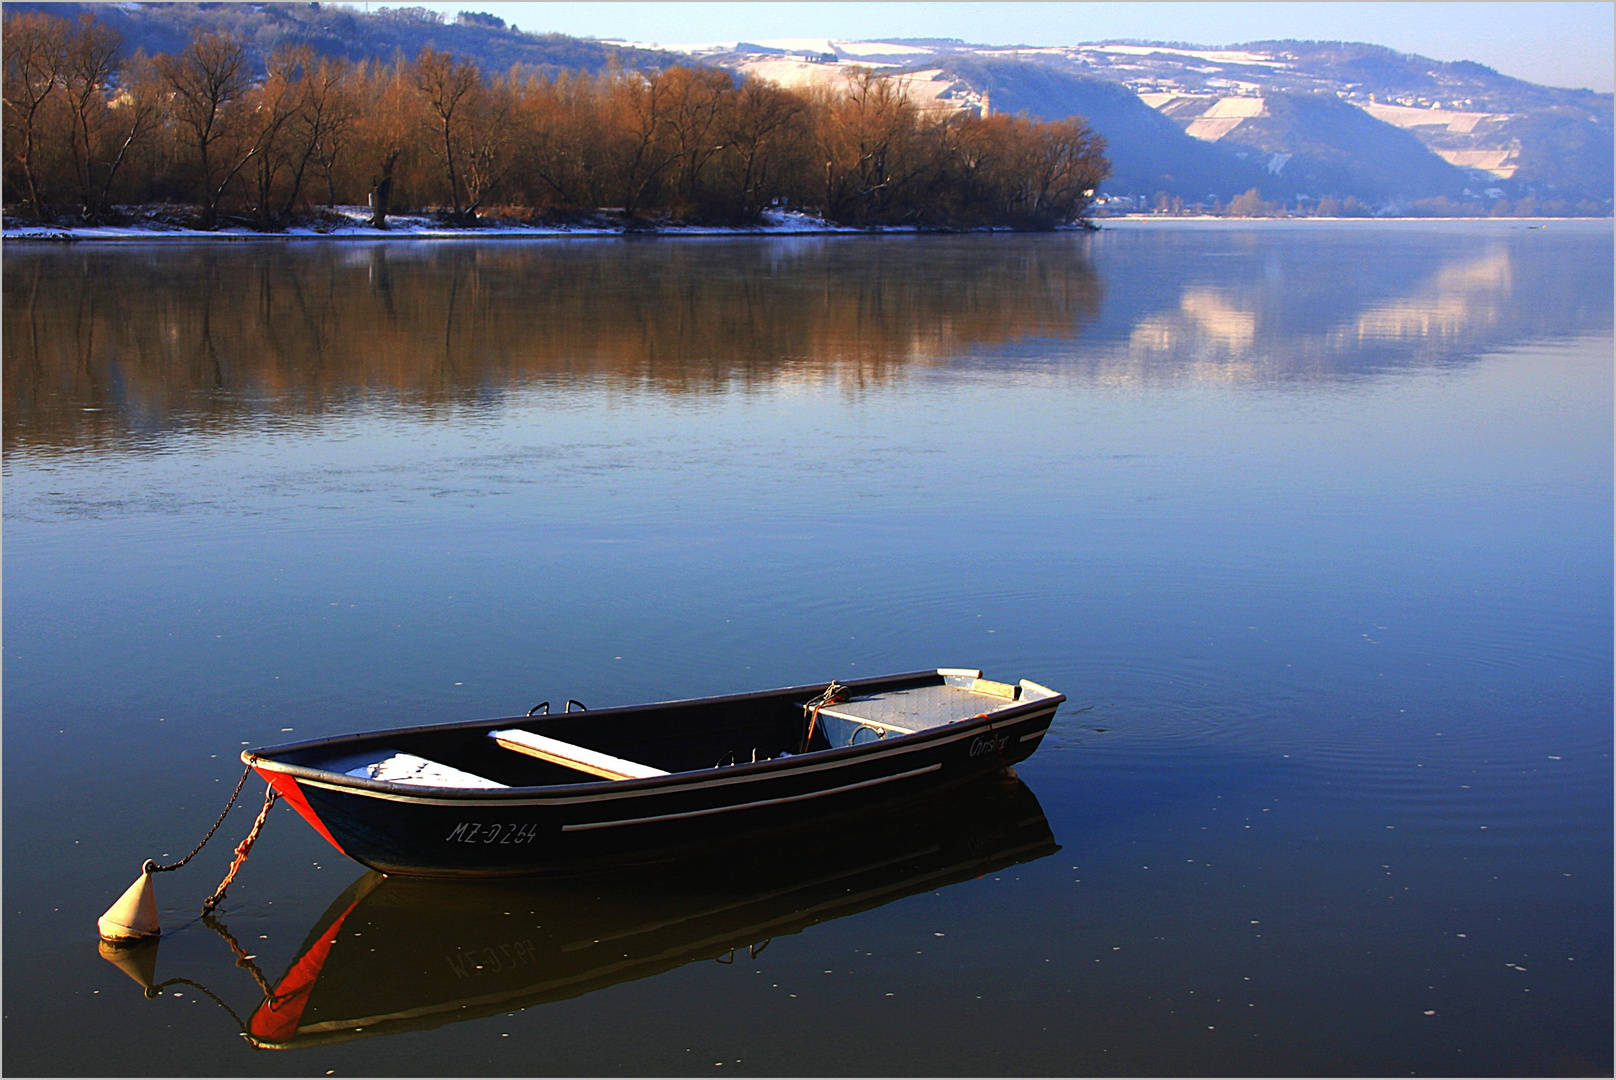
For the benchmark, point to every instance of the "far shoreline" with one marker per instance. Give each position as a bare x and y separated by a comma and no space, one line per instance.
351,223
779,224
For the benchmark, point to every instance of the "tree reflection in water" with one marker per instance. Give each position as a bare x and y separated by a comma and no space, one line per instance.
105,342
209,335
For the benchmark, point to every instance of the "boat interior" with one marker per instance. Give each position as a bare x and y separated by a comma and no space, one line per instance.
655,740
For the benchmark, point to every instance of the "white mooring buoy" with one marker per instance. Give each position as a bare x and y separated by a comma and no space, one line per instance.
134,916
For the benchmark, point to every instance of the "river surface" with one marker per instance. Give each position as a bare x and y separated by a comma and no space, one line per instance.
1311,522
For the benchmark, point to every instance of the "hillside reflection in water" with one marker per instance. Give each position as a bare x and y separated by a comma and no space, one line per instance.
103,341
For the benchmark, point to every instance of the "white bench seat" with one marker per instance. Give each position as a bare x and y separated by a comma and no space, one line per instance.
566,754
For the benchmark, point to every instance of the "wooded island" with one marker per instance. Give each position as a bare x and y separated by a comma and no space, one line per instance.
89,130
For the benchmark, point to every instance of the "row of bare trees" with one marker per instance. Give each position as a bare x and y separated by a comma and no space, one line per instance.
86,128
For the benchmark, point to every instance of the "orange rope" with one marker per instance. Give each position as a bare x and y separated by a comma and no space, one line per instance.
241,852
833,693
813,719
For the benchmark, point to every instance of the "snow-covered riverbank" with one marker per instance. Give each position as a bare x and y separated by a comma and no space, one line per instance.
352,222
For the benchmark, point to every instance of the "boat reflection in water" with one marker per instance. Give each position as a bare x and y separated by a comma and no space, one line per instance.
395,954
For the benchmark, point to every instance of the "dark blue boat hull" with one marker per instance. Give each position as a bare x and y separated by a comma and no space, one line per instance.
526,830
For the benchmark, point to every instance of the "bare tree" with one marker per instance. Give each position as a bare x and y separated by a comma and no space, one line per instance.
90,62
565,143
35,46
759,130
209,79
486,139
864,136
327,118
133,114
1066,165
448,86
385,137
693,103
300,105
638,119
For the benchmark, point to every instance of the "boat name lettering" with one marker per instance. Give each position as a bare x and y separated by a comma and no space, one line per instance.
983,744
492,959
477,832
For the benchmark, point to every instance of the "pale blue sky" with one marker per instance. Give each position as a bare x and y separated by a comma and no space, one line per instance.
1557,44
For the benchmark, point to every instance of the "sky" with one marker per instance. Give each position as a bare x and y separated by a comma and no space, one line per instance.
1555,44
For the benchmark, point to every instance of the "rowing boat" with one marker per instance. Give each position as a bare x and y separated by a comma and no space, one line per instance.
519,795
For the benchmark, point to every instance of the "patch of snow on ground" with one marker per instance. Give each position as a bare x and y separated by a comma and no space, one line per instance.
400,226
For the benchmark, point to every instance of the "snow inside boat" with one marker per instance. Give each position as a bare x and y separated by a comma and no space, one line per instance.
518,795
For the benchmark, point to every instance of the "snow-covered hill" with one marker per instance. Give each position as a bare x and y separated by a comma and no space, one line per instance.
1292,118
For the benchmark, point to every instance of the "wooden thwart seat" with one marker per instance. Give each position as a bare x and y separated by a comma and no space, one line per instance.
566,754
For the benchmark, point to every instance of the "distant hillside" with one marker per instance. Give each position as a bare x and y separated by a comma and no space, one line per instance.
1391,74
1315,142
1500,131
1148,151
341,30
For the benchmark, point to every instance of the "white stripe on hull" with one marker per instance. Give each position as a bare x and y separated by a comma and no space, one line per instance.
933,767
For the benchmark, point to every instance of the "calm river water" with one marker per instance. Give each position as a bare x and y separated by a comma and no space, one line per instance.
1311,522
